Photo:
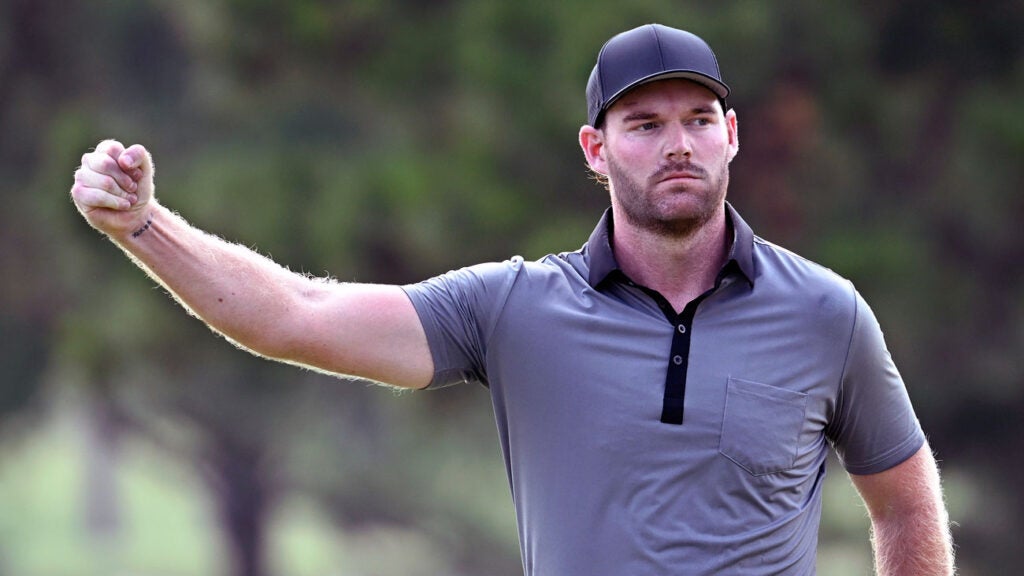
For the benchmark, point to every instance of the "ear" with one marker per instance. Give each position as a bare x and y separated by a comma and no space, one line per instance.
732,127
592,142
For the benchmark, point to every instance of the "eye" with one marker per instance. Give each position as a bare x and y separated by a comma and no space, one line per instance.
646,126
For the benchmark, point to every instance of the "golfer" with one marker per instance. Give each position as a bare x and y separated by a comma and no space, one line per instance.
665,396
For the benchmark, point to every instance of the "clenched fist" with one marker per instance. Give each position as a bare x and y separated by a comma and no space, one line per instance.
113,188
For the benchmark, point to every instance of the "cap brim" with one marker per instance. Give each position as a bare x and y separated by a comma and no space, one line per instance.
717,88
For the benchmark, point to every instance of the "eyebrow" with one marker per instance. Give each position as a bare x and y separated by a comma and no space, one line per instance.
639,115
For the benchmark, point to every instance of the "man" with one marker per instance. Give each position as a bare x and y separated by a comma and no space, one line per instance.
665,396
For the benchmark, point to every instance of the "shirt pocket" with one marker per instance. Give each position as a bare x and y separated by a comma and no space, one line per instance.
761,426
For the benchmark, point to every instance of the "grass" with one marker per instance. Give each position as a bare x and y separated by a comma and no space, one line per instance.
164,525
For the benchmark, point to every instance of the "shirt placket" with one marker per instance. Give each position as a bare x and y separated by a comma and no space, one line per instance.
679,354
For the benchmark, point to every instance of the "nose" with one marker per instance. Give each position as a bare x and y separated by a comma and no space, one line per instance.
677,142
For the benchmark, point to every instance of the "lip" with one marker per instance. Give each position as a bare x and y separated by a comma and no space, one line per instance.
680,176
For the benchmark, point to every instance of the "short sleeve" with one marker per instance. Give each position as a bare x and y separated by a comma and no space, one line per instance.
874,427
458,311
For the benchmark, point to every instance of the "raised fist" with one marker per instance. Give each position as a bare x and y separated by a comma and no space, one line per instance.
113,188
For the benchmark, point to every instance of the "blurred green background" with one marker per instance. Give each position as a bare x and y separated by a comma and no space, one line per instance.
389,141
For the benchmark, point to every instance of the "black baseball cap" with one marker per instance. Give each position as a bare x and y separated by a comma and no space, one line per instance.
650,52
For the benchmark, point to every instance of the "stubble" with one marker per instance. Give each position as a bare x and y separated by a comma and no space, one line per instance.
662,213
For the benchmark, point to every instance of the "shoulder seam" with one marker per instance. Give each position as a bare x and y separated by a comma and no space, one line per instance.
503,299
849,345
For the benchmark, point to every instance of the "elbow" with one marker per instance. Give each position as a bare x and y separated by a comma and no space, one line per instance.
277,328
292,331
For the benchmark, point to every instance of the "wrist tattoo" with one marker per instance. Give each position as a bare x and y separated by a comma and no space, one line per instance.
141,231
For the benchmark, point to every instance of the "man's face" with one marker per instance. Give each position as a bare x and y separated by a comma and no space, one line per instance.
666,148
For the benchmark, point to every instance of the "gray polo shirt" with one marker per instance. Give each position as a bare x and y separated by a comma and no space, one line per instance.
639,441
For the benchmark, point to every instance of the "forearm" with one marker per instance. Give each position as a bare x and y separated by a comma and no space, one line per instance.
244,296
915,545
909,523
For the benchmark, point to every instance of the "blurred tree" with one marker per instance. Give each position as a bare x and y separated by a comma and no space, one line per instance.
28,314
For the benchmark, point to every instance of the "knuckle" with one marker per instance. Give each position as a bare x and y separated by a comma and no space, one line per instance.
78,192
108,144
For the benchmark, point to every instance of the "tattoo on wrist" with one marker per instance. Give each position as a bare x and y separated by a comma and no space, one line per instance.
141,231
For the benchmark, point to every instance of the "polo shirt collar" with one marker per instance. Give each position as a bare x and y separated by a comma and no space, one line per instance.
602,259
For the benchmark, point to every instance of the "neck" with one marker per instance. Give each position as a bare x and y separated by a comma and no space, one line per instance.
680,268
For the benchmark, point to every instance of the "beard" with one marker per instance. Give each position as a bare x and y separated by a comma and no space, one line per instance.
664,216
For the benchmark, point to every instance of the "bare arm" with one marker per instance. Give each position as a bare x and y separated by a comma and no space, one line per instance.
909,522
363,330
